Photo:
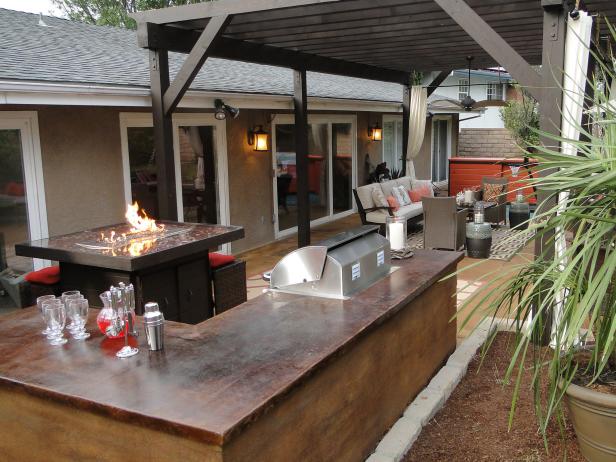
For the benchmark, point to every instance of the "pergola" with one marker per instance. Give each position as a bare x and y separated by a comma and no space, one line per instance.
384,40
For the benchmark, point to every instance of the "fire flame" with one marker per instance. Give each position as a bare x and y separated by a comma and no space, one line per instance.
141,226
139,220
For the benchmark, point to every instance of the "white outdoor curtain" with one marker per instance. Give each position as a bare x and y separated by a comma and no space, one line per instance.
197,146
577,45
417,125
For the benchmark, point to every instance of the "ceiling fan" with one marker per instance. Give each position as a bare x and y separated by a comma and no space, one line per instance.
468,103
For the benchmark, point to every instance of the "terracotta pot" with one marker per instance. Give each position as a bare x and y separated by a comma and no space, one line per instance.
594,419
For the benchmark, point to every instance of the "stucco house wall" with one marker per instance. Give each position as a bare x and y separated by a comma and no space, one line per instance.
82,167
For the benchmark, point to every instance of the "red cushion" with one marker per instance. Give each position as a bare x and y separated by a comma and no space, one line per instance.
393,203
416,194
14,189
47,276
218,259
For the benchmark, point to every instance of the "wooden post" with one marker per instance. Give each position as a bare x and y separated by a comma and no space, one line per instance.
163,137
550,120
300,103
406,114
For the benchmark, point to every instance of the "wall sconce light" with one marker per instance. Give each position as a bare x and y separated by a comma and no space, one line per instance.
257,137
375,133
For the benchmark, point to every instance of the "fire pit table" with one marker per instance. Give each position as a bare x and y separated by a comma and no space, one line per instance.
170,266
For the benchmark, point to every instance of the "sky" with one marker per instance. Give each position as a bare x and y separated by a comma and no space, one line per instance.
31,6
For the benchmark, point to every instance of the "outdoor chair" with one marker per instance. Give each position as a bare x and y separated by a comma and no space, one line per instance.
496,215
444,226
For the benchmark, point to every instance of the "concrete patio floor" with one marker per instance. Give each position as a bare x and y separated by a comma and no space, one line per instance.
265,257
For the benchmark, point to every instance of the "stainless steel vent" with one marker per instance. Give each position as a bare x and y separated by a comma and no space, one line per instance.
335,268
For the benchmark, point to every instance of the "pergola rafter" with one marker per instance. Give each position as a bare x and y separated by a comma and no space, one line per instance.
384,40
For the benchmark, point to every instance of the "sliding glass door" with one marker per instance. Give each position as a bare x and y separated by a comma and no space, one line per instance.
440,148
22,194
331,167
200,165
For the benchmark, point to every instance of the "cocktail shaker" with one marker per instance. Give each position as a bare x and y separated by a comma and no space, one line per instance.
154,324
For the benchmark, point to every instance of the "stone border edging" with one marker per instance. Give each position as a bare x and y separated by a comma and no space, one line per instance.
399,439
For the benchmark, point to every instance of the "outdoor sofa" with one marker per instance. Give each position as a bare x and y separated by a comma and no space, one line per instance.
370,213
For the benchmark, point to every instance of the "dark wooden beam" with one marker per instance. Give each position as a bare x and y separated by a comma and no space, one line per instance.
163,137
550,121
503,53
153,36
193,63
438,80
211,9
300,104
406,115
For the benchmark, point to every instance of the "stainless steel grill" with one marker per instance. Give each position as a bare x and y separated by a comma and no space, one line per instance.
335,268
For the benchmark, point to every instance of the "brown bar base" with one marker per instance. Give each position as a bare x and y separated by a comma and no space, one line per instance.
338,413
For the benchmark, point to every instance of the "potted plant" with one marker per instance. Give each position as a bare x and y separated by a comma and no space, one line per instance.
571,286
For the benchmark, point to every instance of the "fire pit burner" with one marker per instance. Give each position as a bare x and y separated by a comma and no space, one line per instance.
120,236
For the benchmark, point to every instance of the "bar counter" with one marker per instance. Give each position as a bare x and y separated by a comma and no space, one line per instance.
280,377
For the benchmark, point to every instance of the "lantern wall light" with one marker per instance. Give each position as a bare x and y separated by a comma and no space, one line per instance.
375,133
257,137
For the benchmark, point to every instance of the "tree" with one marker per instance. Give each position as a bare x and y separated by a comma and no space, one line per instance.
521,118
112,12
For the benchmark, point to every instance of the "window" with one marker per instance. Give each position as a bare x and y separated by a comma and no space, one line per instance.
440,149
392,142
463,88
495,92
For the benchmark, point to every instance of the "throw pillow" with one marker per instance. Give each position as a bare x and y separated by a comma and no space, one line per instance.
491,192
399,193
379,198
393,203
416,194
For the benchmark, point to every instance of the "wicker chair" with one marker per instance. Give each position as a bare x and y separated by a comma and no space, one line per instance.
497,214
229,285
444,226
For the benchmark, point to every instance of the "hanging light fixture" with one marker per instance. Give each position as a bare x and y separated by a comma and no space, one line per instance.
375,133
257,137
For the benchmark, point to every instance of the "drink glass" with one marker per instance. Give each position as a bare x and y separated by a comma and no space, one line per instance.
70,295
55,317
39,304
77,311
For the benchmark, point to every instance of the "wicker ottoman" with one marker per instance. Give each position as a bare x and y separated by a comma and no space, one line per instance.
478,240
229,285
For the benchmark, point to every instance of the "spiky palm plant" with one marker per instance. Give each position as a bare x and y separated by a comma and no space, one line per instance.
580,279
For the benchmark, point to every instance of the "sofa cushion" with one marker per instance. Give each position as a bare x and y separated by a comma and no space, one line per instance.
410,211
365,195
47,276
393,203
378,216
416,184
405,181
379,198
401,195
417,194
387,187
219,259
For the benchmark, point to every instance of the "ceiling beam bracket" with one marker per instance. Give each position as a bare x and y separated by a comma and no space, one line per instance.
193,63
495,45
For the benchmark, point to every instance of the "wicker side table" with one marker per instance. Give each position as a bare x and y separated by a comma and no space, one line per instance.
478,240
519,214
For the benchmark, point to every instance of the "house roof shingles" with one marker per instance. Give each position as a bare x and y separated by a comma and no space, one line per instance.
73,52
